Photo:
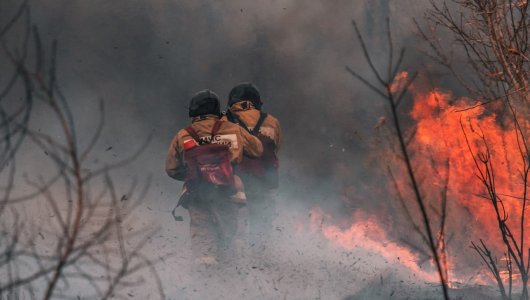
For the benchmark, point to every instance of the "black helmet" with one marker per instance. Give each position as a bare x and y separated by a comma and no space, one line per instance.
204,102
243,92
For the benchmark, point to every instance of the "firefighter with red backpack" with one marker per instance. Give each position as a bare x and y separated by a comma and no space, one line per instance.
202,155
259,175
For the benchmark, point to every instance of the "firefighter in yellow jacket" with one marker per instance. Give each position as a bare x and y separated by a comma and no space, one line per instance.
260,176
212,194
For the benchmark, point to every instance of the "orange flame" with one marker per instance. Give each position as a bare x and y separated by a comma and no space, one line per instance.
439,139
399,82
365,233
440,132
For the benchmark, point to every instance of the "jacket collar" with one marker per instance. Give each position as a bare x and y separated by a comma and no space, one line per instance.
204,117
242,105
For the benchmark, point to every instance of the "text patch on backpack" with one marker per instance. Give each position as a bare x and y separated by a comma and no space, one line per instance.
229,140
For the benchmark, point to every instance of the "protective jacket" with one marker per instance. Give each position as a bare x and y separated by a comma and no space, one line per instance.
249,115
260,176
238,140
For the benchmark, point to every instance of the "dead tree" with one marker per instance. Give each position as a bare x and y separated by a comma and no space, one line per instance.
492,38
91,238
431,223
517,255
16,111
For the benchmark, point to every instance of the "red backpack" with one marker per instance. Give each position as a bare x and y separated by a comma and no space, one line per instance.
265,167
208,163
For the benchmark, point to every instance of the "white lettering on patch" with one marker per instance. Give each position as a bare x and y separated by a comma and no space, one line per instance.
223,139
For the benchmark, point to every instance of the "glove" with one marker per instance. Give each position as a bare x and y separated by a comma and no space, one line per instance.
265,140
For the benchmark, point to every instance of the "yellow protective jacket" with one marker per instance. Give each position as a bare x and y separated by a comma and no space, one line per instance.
249,115
238,140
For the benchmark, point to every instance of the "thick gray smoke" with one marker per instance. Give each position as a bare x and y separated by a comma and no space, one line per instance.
146,58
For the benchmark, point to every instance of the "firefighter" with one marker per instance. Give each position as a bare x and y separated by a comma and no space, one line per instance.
202,156
260,176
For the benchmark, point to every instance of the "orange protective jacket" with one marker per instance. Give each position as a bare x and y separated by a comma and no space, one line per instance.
249,115
238,140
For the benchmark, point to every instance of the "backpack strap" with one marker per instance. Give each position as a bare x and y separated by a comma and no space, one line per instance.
231,117
193,134
234,119
216,128
261,119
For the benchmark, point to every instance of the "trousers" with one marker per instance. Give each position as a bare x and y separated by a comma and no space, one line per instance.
213,226
261,209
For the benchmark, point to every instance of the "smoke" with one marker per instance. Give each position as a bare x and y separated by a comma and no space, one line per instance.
146,58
